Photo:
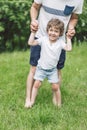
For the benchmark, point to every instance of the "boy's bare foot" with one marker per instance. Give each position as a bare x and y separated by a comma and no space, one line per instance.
59,105
56,103
32,103
28,104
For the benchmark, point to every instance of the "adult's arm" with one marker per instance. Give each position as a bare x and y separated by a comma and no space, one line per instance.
34,14
72,24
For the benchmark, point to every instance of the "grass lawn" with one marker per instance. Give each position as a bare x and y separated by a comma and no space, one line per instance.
44,115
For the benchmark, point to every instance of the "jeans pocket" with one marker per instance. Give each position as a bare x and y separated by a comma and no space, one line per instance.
68,10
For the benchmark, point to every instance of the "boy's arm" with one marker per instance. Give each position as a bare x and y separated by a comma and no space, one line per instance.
68,46
31,40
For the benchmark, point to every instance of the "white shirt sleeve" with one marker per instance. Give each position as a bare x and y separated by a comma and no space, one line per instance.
38,1
62,43
78,10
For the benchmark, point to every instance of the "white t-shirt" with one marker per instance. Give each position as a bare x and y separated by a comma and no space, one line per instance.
50,52
61,9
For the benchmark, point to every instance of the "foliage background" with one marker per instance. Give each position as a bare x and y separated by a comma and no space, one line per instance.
15,21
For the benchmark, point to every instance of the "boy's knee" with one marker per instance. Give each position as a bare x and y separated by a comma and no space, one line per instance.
55,87
37,84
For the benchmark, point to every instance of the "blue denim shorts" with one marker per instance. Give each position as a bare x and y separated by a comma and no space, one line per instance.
50,74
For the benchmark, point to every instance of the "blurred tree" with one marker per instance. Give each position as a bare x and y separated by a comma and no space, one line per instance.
15,21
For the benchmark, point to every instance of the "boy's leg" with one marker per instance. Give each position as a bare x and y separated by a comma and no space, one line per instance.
56,94
37,84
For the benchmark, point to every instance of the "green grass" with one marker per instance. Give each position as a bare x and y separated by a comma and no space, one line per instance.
44,115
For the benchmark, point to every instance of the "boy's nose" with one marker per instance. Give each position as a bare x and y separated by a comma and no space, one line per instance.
53,32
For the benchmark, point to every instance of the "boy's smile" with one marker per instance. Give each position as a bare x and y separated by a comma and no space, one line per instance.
53,34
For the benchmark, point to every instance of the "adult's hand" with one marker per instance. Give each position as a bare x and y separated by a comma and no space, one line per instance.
34,25
71,32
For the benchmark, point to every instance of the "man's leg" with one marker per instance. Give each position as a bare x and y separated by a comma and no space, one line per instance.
34,56
29,85
60,77
60,66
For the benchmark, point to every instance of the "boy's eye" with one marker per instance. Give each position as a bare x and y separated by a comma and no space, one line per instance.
56,31
51,30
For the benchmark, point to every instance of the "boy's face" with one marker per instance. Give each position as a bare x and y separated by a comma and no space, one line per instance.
53,34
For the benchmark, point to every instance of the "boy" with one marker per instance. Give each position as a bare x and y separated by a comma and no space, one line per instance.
51,47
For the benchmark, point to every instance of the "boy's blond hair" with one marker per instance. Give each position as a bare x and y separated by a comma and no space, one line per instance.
57,24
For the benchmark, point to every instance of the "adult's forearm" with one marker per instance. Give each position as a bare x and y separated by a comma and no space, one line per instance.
34,11
73,21
71,26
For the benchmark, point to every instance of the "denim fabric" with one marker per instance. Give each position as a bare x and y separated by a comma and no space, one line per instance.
50,74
